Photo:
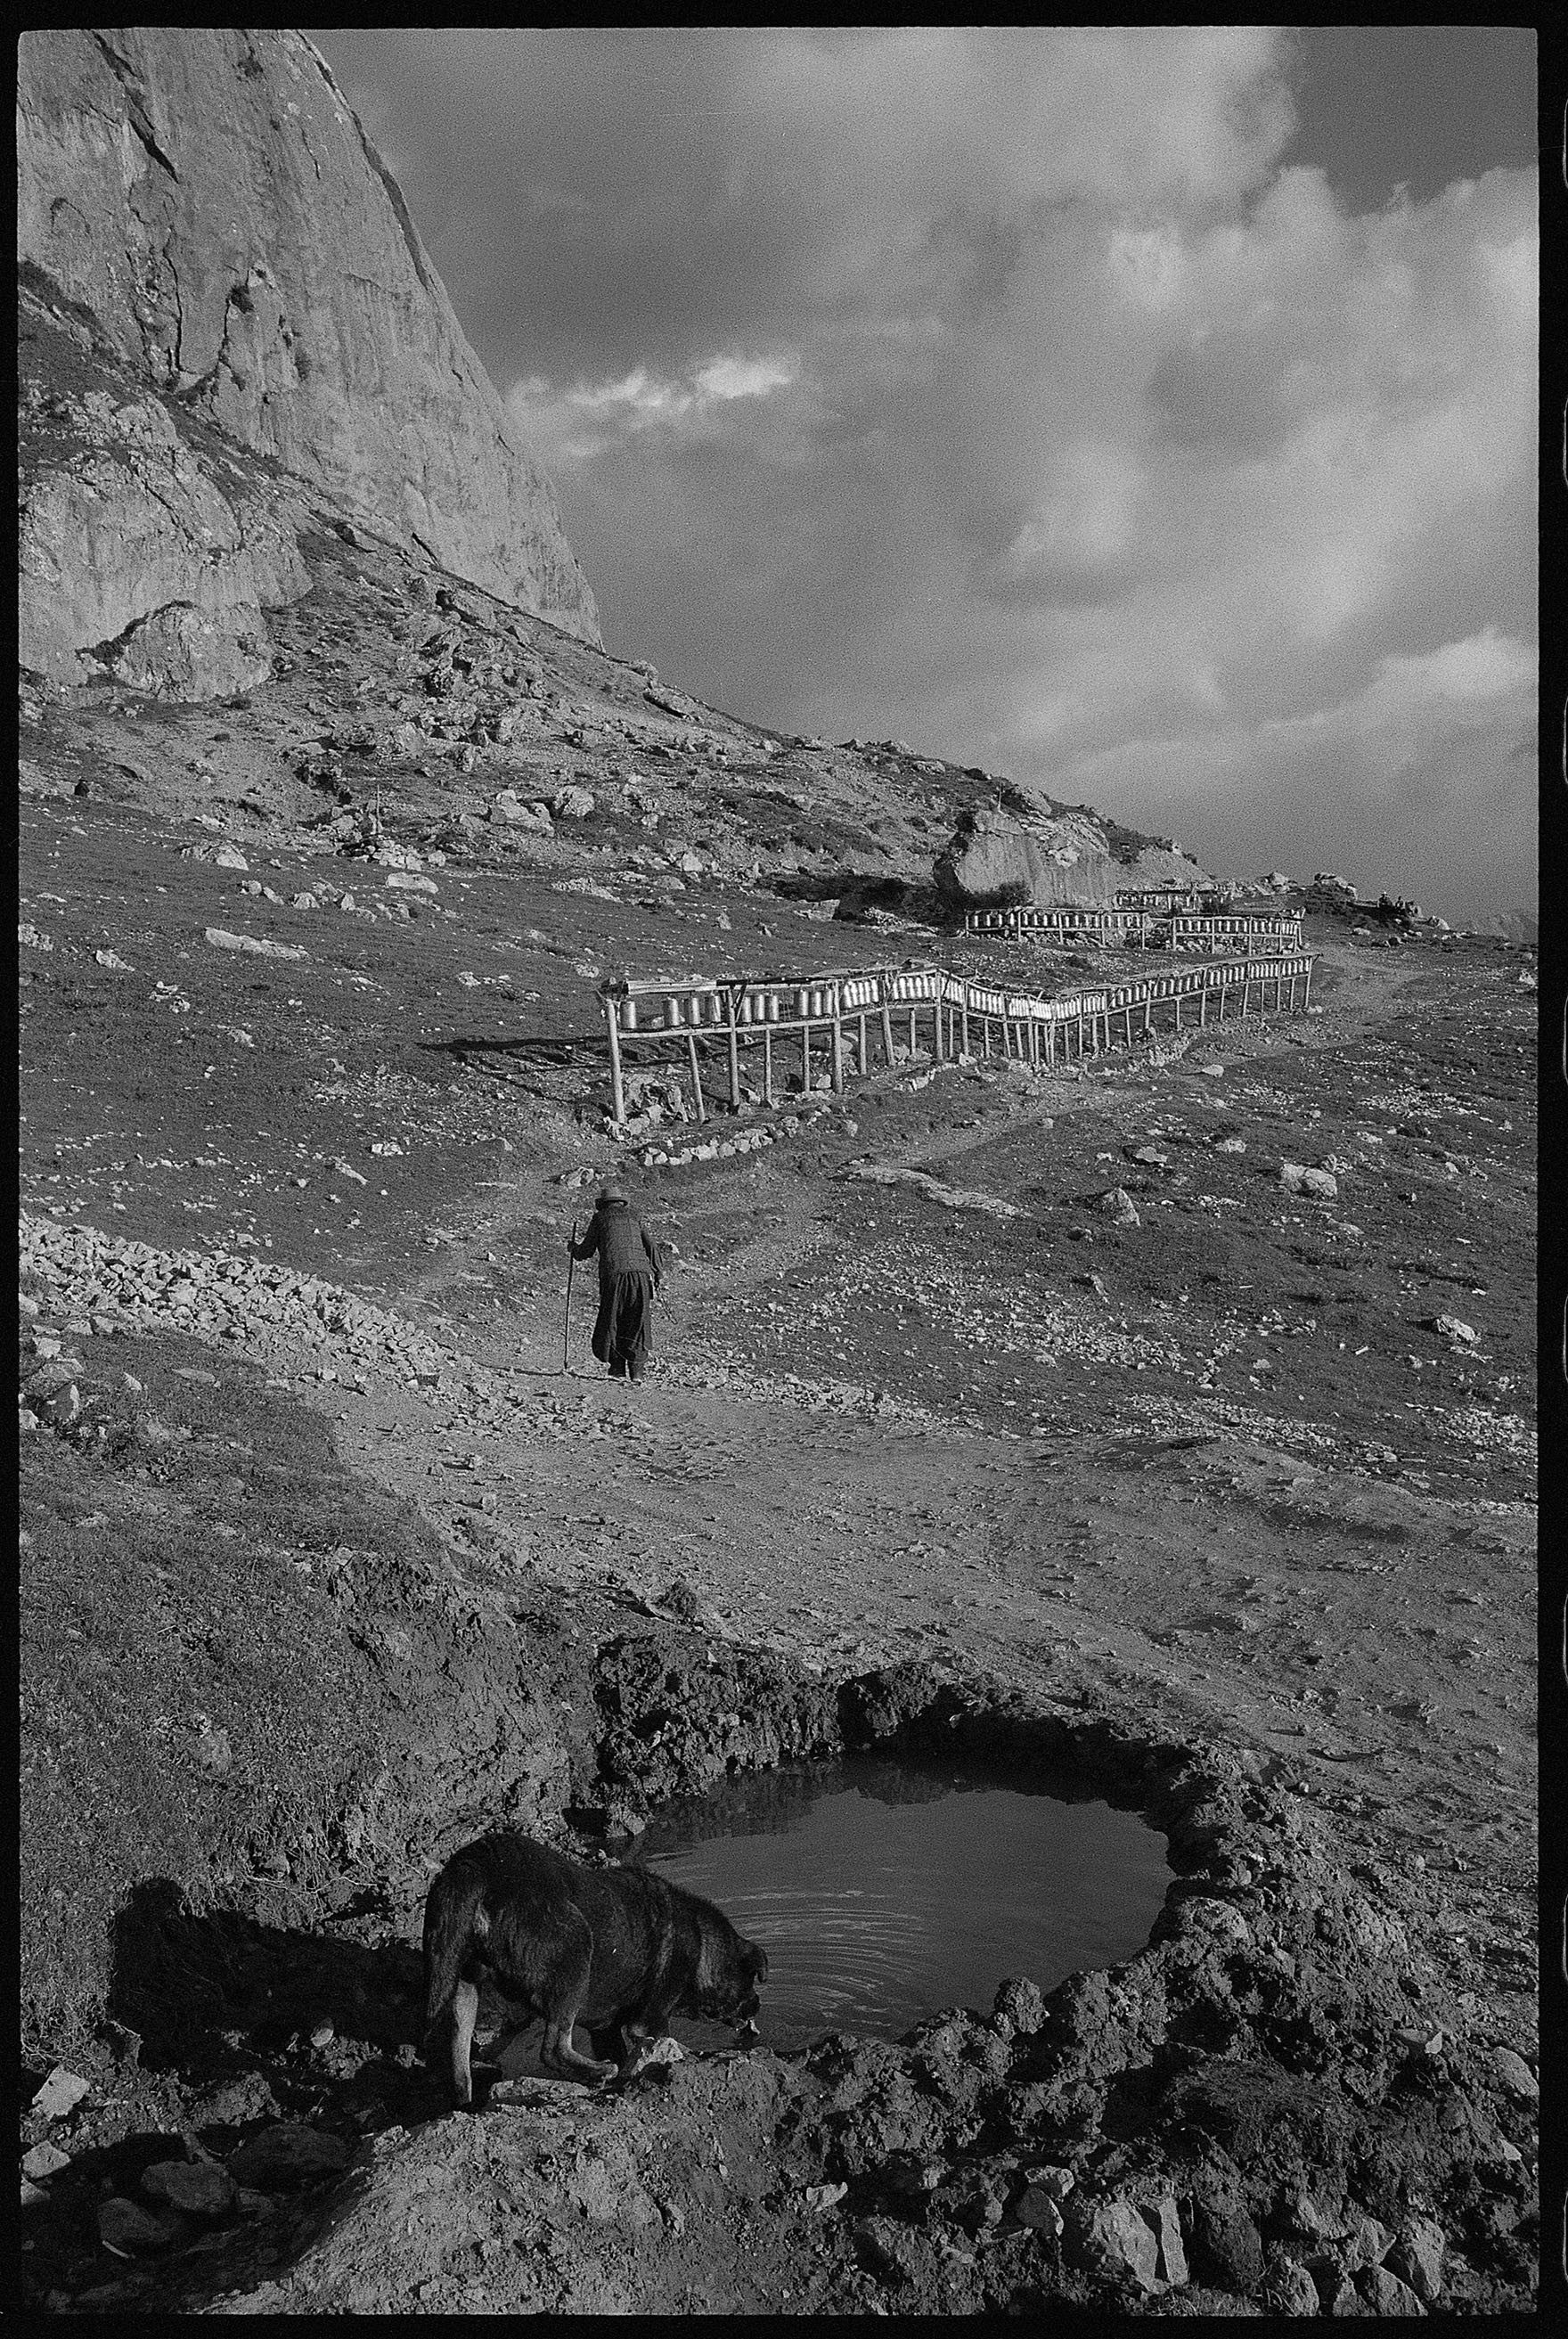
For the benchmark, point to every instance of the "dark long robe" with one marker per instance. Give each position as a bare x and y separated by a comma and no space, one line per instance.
628,1277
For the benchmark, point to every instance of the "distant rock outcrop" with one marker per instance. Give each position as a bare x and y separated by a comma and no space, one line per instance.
202,203
1016,850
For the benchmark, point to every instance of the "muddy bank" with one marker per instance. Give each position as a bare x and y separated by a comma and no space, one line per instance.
1265,2108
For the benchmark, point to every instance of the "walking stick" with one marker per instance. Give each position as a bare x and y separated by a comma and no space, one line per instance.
567,1329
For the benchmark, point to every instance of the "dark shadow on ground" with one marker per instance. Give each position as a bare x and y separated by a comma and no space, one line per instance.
220,1998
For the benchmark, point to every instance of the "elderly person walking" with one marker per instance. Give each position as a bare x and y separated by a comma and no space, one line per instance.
629,1275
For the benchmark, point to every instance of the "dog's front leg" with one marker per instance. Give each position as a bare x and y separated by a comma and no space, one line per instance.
558,2054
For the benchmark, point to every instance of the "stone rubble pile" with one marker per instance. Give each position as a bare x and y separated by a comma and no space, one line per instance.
109,1284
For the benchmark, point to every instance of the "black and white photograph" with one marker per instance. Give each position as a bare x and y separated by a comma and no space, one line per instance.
779,793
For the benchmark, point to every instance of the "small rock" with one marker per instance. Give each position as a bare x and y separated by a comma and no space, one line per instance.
1040,2212
1296,2290
410,883
45,2160
1515,2075
1386,2295
824,2196
1166,2226
571,803
61,2092
651,2053
214,1752
1119,1204
203,2188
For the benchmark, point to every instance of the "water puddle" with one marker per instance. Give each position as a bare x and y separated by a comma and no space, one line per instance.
882,1892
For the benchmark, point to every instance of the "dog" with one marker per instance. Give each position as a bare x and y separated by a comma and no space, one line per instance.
618,1948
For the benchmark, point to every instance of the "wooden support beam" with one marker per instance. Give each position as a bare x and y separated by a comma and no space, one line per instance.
864,1055
837,1045
887,1034
617,1088
767,1063
696,1076
733,1038
806,1060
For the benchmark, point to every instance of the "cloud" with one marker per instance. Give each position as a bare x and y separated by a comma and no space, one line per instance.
570,428
1007,390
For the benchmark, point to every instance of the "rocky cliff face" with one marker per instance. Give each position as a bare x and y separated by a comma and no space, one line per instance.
206,208
1045,854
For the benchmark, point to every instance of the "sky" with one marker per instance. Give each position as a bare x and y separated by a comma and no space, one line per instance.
1147,414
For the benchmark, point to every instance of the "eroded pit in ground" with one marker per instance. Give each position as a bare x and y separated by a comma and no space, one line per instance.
1271,2094
884,1891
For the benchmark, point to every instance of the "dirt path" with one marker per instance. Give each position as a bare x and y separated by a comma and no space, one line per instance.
1362,1637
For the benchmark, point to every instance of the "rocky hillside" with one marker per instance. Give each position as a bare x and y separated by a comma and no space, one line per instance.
205,208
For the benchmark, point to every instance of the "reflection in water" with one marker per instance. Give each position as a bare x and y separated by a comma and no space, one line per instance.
883,1891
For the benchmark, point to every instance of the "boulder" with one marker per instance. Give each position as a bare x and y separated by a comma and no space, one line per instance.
287,2155
201,2188
1417,2256
130,2231
1321,1184
208,194
1113,2237
132,560
1386,2295
1515,2074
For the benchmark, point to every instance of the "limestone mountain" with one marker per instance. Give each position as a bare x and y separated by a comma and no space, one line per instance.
1018,845
204,209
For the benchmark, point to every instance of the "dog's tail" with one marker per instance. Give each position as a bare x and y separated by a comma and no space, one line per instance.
454,1919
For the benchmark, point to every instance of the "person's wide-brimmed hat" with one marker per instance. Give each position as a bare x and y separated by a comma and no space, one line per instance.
612,1191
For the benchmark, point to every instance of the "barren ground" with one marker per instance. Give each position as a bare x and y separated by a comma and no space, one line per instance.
1211,1501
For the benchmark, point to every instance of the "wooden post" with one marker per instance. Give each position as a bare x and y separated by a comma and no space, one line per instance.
1203,1001
1306,994
837,1045
887,1032
985,1027
912,1034
617,1089
1080,1031
1177,1025
963,1021
805,1058
697,1077
1293,994
936,1030
1147,1013
768,1063
865,1057
735,1054
1127,1017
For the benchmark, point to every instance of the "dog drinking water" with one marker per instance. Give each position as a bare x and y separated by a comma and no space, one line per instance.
616,1949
